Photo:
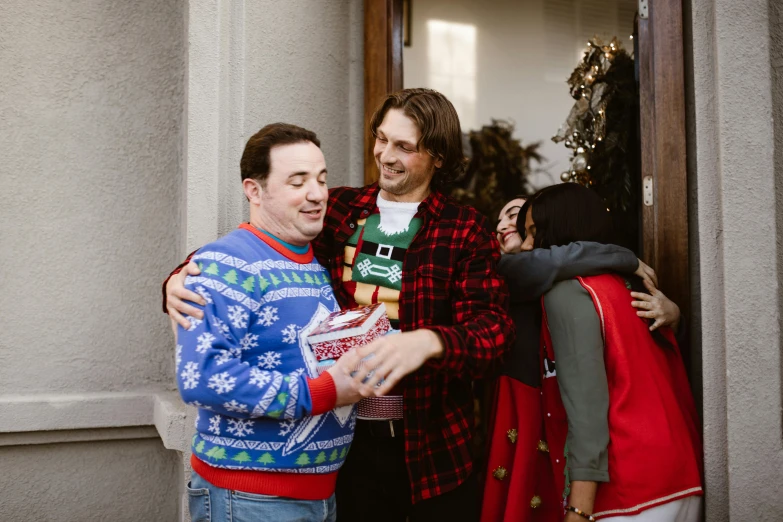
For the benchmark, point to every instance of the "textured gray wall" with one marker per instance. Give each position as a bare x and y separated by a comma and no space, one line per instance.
91,101
305,66
736,166
251,63
118,481
776,56
91,132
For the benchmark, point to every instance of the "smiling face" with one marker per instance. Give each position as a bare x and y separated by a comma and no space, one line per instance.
405,169
291,203
508,235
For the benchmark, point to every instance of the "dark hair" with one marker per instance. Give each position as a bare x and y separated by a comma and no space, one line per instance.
570,212
441,135
255,163
566,213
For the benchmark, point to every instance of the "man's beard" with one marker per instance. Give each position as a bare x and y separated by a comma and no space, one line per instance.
398,188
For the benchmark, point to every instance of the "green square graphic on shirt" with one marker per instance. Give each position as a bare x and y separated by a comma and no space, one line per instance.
379,262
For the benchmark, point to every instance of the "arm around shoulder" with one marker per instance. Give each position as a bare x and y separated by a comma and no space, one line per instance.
530,274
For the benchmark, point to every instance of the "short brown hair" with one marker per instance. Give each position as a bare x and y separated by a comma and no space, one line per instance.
438,122
255,162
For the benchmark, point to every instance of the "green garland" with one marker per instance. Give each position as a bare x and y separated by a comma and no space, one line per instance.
601,131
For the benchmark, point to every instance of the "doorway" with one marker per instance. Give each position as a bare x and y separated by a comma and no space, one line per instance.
659,60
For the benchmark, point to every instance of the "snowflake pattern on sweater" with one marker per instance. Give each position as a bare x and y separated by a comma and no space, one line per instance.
246,365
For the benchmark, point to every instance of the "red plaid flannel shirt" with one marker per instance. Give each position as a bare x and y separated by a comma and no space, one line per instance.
449,285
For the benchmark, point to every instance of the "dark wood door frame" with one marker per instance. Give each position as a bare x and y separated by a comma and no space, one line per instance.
382,65
662,92
662,101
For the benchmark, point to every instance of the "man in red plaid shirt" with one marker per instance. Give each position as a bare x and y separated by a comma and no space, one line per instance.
433,262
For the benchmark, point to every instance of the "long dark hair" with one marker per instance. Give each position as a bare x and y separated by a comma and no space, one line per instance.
568,213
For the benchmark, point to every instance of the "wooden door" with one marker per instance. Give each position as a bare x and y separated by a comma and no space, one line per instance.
662,119
382,65
663,148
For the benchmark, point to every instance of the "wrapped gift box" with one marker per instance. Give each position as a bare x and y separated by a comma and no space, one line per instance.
347,329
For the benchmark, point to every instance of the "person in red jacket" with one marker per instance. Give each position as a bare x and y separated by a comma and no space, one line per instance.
519,485
619,420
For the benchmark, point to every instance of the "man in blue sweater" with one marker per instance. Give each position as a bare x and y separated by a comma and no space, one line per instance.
271,434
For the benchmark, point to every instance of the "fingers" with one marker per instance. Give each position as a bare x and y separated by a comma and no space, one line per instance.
176,316
376,377
183,294
365,368
391,381
357,370
644,305
174,303
348,362
647,315
347,391
370,348
653,276
647,273
192,269
180,276
642,296
652,288
658,322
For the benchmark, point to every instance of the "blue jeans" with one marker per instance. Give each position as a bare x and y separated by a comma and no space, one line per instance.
210,503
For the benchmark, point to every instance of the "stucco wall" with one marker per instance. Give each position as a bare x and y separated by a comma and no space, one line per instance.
735,171
776,55
125,481
91,134
251,64
254,63
91,101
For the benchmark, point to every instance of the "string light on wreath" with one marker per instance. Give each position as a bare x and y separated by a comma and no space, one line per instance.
585,129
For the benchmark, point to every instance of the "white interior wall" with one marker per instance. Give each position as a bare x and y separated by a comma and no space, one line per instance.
524,53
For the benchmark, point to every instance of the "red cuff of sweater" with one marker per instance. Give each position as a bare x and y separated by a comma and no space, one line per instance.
323,392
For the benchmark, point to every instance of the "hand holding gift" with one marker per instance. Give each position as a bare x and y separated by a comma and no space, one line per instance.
382,363
345,330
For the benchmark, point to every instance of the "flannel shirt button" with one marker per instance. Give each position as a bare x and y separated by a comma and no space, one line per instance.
352,225
365,212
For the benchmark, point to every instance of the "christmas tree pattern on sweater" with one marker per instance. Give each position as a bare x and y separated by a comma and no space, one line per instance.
245,364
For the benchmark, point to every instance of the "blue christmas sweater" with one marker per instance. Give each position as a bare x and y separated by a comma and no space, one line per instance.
249,370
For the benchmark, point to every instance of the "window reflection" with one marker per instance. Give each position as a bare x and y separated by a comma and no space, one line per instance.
451,59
